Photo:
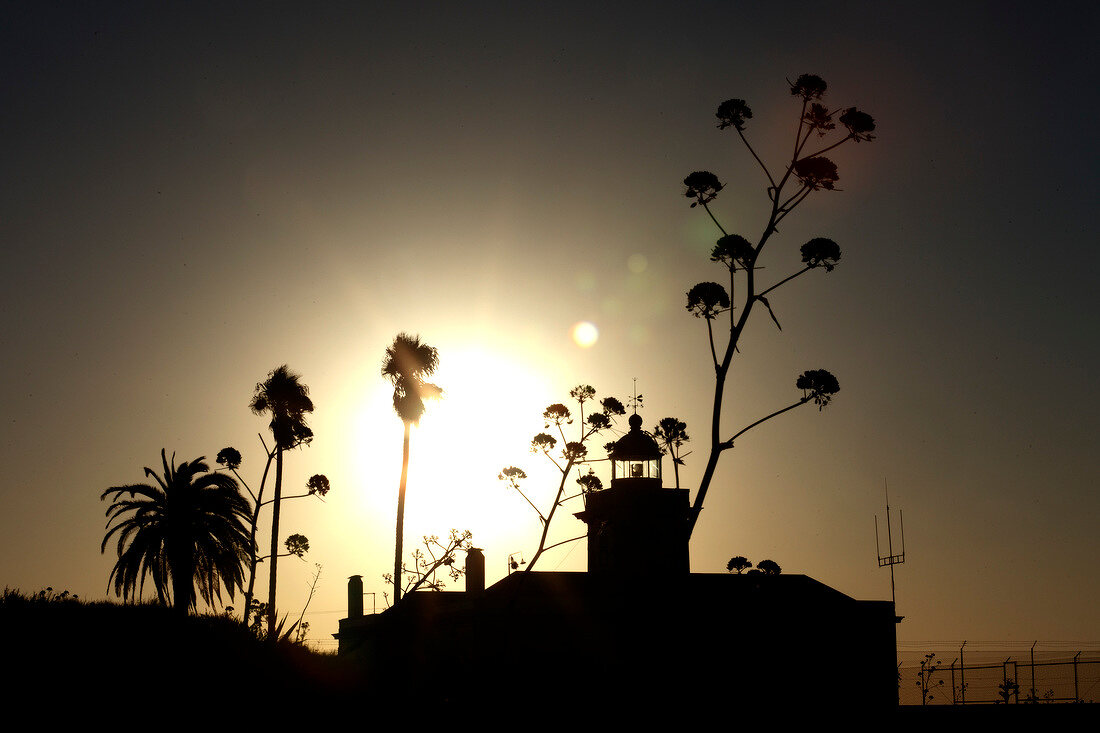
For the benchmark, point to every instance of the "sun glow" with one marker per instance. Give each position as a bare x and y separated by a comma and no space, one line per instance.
482,424
585,334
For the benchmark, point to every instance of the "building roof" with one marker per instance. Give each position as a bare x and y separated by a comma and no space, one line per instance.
636,444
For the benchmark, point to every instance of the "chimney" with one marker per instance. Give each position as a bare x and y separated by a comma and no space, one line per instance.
475,570
355,596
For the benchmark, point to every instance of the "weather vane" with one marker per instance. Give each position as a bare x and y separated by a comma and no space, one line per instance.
635,400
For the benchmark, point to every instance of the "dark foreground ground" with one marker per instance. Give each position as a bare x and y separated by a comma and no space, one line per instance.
72,662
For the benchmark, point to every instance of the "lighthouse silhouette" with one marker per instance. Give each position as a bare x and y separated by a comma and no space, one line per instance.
636,526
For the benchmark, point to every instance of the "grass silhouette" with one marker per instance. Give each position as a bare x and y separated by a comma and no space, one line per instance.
144,657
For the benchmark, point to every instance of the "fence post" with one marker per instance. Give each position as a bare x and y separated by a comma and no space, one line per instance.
954,699
1010,686
962,675
1034,694
1076,693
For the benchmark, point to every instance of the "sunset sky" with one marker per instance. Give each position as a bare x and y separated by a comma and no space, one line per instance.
193,197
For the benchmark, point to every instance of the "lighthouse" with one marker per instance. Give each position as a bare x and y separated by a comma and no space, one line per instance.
636,526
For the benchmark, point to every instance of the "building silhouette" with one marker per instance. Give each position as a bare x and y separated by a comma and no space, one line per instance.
638,630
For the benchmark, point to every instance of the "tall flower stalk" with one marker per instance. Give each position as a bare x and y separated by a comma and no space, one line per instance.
806,171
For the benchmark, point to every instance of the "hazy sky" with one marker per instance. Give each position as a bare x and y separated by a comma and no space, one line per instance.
192,197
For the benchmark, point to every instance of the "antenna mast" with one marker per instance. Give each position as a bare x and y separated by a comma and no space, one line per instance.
890,559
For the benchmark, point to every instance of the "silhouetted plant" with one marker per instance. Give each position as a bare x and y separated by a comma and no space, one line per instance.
808,86
804,173
1006,689
286,399
708,300
1034,698
821,252
262,627
47,595
407,362
230,458
928,667
187,531
318,485
702,186
297,545
555,418
817,385
303,626
671,434
738,564
769,567
433,558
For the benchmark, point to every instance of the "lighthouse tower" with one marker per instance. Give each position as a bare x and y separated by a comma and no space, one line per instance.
636,526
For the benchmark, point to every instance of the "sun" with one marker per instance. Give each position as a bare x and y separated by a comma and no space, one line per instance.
585,334
482,423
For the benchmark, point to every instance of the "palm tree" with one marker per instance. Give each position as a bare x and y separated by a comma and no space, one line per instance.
188,530
284,396
407,363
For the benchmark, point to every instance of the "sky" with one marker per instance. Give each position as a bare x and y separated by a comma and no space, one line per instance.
197,193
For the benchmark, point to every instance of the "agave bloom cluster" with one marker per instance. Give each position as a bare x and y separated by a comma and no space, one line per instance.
707,300
297,545
319,485
816,173
818,385
860,124
733,113
702,186
733,250
229,457
821,252
819,118
808,86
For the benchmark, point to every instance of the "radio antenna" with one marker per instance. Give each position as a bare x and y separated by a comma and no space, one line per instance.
890,559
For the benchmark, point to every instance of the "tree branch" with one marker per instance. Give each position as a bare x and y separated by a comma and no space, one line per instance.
834,145
550,516
541,517
784,280
800,192
565,542
802,196
454,546
764,167
720,227
713,353
729,443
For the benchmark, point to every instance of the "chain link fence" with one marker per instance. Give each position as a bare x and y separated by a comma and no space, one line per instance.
1009,682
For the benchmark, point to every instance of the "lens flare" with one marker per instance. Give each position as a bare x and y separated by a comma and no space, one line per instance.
585,334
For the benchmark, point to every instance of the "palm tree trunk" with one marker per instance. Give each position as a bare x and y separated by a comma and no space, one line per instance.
182,566
274,543
400,518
